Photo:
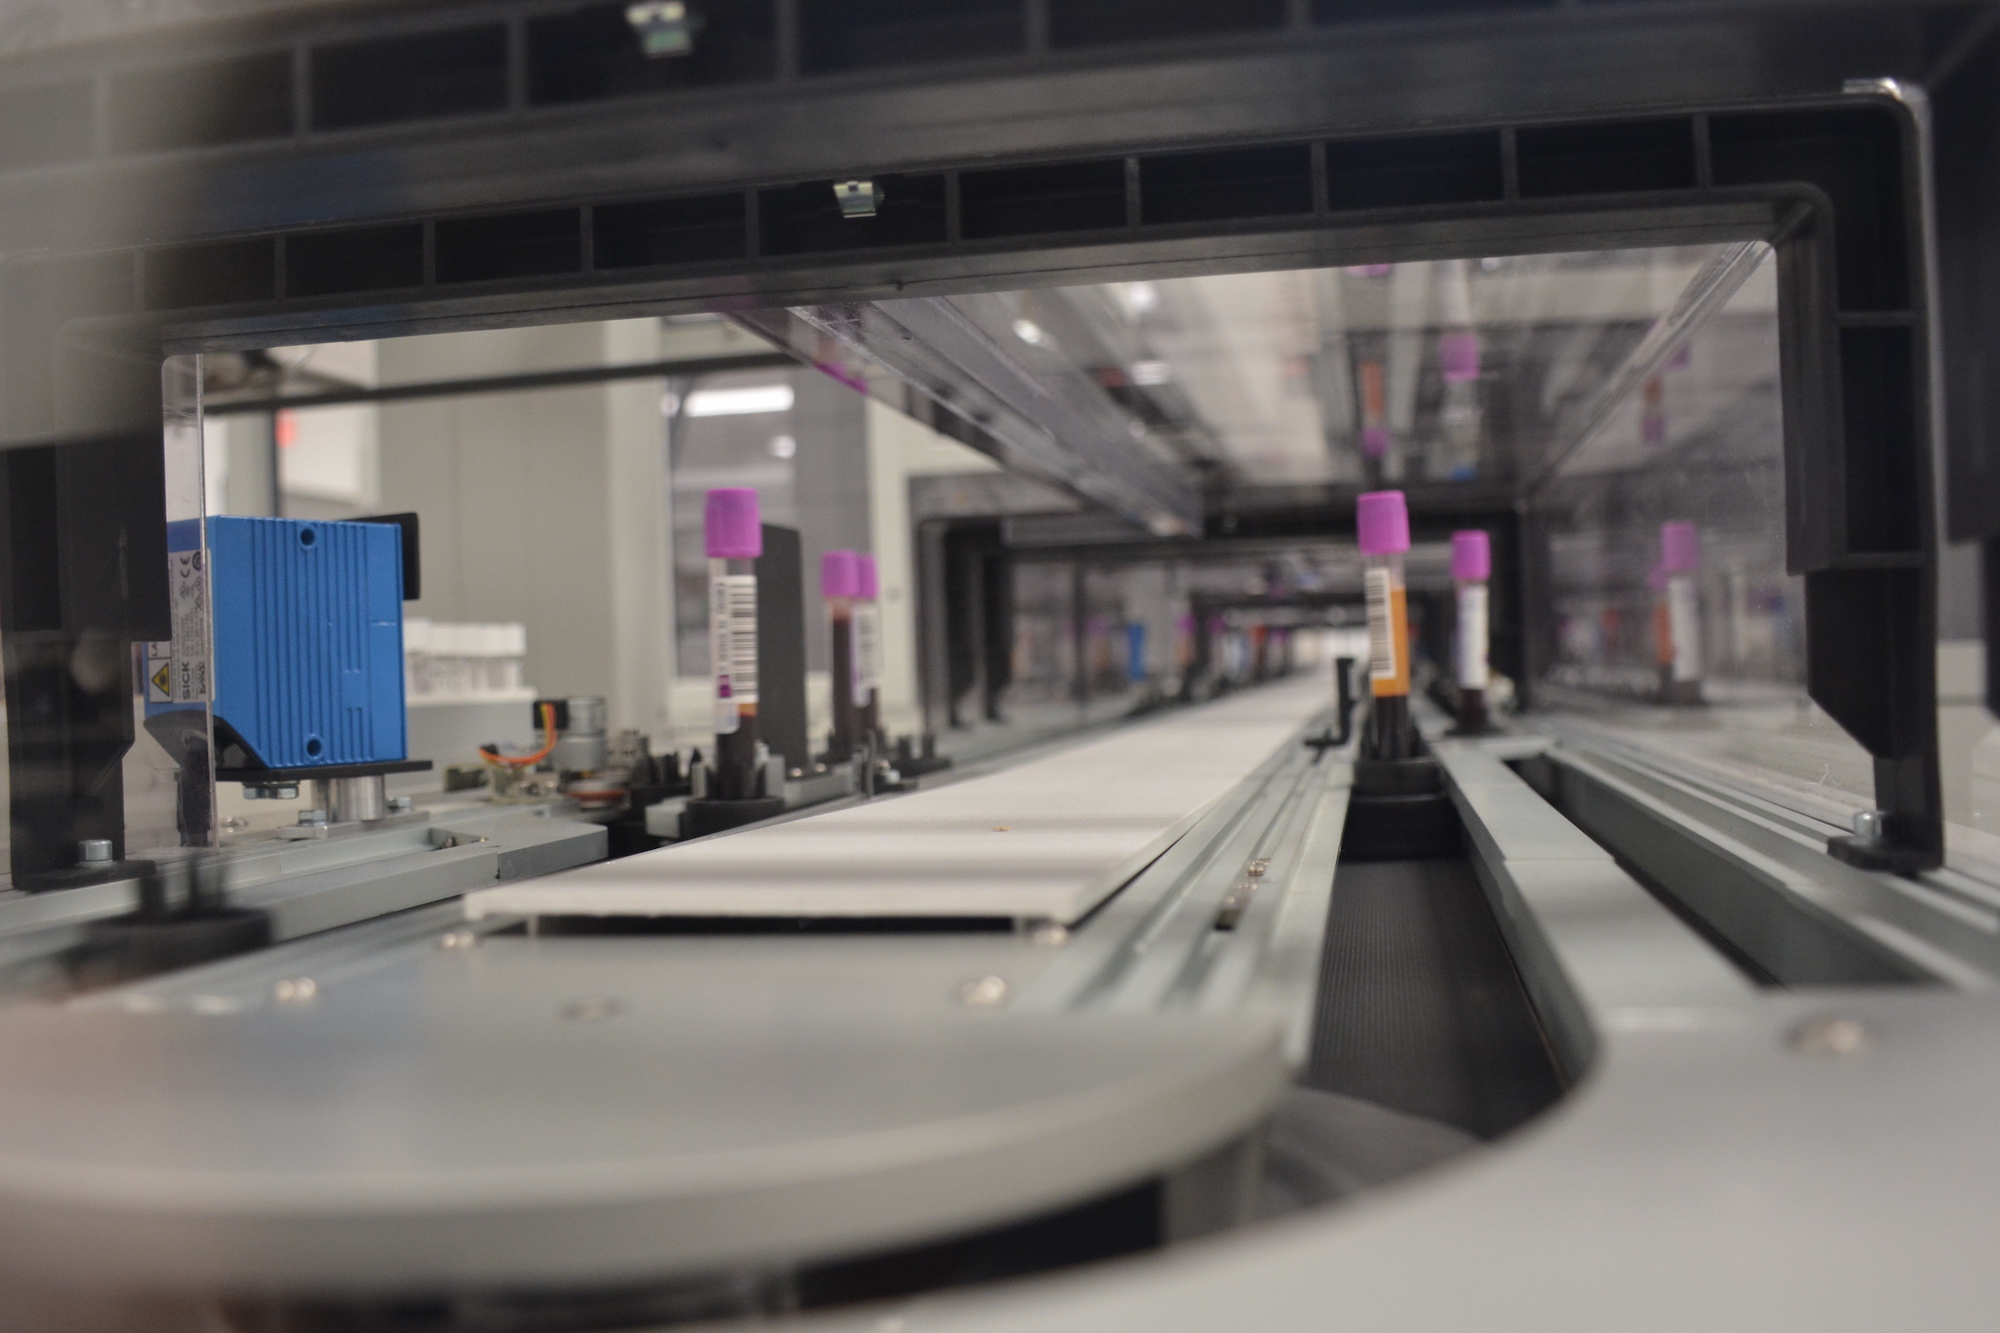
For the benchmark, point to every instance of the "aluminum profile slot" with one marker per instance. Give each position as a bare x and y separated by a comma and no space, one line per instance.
1059,428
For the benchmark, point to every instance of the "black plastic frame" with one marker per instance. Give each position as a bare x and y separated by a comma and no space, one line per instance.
1834,183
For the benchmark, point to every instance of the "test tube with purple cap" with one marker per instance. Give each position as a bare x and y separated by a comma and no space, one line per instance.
733,536
868,648
840,584
1382,522
1679,615
1471,569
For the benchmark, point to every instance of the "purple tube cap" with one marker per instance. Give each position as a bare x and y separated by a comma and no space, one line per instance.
1471,555
839,574
1458,356
1382,519
1680,547
731,527
1375,440
869,587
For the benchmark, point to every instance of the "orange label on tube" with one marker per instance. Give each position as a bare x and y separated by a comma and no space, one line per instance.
1388,635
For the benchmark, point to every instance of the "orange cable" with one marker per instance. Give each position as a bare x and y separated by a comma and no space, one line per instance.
528,760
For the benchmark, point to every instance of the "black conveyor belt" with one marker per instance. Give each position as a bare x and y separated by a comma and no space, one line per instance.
1420,1008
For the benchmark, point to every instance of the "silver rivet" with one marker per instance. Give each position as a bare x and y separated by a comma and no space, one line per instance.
1828,1036
984,993
1870,825
295,990
94,851
458,939
1050,934
1259,866
592,1009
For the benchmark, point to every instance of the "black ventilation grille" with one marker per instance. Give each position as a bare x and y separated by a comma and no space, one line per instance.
593,53
664,232
840,35
513,245
361,259
1415,172
1029,201
226,273
806,219
1237,183
1076,24
417,77
1611,158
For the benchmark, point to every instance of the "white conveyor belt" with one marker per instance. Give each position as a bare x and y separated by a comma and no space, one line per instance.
1047,839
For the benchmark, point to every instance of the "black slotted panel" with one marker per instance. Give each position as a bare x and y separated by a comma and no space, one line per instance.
1608,158
357,259
1028,201
804,219
593,53
512,245
462,71
658,232
1233,183
1414,172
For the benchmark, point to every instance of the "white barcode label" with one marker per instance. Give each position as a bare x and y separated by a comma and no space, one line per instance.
732,630
1472,669
867,650
1684,624
1381,627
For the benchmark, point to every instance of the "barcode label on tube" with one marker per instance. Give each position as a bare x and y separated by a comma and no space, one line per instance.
867,650
1472,669
732,620
1381,633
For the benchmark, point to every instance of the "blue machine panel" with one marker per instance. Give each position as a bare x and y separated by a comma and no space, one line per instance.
308,640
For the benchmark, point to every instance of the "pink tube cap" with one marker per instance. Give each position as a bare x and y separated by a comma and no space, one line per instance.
1471,555
869,585
1680,547
839,574
1458,356
731,528
1375,440
1382,518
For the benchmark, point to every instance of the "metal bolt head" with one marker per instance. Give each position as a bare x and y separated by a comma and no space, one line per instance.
312,818
94,852
1870,825
1257,867
592,1009
295,990
458,939
983,993
1828,1036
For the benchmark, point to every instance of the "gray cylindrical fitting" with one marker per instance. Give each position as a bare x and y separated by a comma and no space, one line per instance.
94,851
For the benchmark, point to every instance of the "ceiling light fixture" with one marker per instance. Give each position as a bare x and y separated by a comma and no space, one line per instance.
740,402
